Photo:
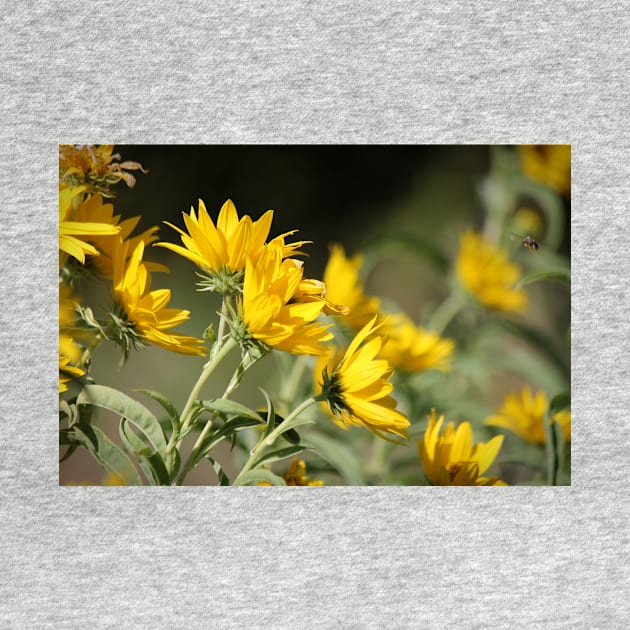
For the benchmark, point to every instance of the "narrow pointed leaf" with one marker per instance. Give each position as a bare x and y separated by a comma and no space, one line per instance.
127,407
149,461
167,405
224,480
108,454
227,407
280,454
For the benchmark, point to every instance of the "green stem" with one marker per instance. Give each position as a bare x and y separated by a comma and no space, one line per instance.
208,369
267,440
87,353
446,311
192,459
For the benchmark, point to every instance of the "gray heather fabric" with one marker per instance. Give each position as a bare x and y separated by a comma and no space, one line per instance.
328,72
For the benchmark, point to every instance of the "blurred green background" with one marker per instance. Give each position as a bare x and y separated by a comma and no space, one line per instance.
346,194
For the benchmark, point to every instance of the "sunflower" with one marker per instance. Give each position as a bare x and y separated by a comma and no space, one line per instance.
523,413
485,271
141,316
451,459
296,475
93,209
272,310
221,250
73,234
343,286
549,164
356,387
411,348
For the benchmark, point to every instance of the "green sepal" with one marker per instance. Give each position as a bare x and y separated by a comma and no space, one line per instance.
123,405
108,454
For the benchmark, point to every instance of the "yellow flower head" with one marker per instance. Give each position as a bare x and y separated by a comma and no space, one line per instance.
411,348
74,233
343,286
94,167
69,353
451,459
93,209
356,386
487,273
143,316
549,164
296,475
221,250
272,313
524,414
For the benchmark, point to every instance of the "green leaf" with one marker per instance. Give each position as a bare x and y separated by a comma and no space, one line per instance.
110,456
342,458
563,275
224,480
150,462
271,415
225,431
167,405
228,407
127,407
280,454
558,403
260,474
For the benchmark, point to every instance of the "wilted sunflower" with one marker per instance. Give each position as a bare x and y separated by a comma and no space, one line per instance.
356,387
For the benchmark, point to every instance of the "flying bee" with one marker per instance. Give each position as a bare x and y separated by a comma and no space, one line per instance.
527,242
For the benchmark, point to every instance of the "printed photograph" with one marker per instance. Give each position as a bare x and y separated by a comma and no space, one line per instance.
314,315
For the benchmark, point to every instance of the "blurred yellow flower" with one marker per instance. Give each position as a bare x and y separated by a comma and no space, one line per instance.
93,209
343,286
270,310
549,164
296,475
487,273
451,459
74,233
356,386
143,316
221,251
411,348
94,166
69,353
524,414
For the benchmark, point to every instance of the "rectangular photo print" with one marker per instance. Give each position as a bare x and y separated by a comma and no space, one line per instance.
287,315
